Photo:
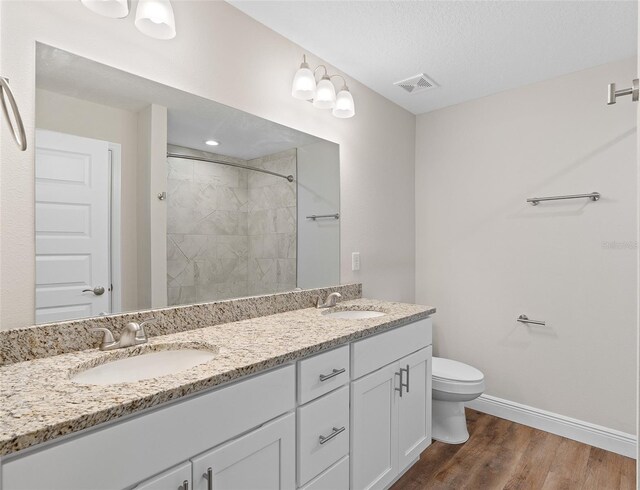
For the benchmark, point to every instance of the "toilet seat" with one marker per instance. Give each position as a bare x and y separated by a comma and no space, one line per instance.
451,376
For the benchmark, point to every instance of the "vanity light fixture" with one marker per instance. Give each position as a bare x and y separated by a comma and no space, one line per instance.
211,143
322,93
155,19
116,9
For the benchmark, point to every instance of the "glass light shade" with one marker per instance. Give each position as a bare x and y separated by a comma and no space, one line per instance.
116,9
325,95
155,19
344,104
304,83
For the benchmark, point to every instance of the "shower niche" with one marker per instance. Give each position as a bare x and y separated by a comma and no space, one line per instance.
149,196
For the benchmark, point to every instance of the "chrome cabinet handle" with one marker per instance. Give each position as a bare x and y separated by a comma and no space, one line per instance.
333,434
402,384
98,290
407,371
184,486
209,477
19,135
334,373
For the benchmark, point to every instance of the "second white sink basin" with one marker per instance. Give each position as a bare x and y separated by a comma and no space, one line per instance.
354,314
143,366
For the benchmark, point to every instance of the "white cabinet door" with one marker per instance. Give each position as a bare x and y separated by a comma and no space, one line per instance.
414,407
177,478
264,459
374,447
389,431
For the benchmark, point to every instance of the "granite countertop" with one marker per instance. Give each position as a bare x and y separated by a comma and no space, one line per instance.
41,403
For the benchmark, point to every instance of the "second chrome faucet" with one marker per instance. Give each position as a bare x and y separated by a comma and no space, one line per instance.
132,334
331,301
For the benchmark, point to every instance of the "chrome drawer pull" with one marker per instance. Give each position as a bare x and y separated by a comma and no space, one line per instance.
334,433
185,485
209,477
334,373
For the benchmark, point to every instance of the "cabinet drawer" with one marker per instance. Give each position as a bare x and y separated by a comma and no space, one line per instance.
173,479
335,478
323,373
323,433
374,352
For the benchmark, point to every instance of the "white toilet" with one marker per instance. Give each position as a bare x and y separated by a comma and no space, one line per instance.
453,384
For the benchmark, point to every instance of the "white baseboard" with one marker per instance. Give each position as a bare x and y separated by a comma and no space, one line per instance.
578,430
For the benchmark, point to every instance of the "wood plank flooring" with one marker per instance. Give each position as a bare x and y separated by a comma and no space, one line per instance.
504,455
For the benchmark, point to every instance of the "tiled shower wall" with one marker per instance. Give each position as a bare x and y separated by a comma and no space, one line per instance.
272,225
208,236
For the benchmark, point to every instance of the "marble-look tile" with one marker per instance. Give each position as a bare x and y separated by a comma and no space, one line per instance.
286,245
221,223
180,273
232,199
285,220
286,271
194,246
219,175
179,169
231,246
181,295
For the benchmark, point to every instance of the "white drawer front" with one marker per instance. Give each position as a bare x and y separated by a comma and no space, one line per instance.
372,353
177,478
326,418
322,373
335,478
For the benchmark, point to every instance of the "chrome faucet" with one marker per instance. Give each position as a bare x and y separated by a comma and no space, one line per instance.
132,334
331,301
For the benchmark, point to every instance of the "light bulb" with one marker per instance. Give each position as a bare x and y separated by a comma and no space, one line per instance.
116,9
155,19
344,104
325,94
304,83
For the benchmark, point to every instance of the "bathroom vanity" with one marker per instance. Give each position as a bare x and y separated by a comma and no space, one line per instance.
292,400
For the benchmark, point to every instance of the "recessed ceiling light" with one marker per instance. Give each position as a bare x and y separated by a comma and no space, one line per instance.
211,143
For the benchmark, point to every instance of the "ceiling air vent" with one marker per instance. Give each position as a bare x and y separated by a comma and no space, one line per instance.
416,84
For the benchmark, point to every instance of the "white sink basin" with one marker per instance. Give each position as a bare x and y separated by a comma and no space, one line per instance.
143,366
354,314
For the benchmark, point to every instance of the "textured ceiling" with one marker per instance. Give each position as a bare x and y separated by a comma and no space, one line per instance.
470,49
191,120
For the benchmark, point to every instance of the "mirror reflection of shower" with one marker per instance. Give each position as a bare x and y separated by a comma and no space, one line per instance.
230,231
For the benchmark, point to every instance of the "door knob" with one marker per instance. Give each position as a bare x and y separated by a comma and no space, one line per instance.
98,290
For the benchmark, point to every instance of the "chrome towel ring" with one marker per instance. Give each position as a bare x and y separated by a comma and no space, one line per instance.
18,130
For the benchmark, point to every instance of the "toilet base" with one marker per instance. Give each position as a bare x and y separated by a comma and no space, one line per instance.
449,422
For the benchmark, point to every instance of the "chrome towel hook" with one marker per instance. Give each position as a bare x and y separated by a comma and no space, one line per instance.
634,92
18,131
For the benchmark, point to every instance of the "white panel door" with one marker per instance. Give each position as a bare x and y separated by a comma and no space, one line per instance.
374,448
177,478
72,226
264,459
414,408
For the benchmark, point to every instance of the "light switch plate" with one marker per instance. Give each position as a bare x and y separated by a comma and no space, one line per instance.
355,261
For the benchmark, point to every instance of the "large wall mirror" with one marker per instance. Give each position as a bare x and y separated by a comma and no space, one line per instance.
148,196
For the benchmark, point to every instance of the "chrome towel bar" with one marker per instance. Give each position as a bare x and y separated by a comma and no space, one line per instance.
525,319
320,216
19,135
633,91
594,196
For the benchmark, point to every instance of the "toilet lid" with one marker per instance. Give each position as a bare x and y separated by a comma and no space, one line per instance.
455,371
